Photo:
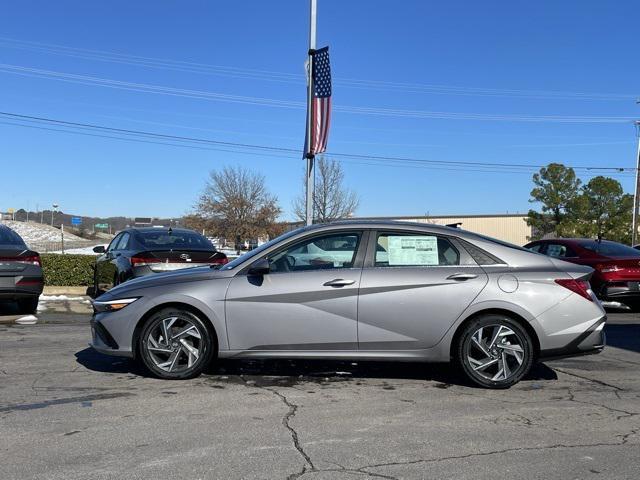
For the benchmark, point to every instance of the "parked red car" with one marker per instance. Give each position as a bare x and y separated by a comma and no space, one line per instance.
616,280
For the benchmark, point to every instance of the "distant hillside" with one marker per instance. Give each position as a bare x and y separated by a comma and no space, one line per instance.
35,233
116,223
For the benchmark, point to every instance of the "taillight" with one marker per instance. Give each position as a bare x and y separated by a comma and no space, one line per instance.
30,260
608,268
581,287
143,261
219,261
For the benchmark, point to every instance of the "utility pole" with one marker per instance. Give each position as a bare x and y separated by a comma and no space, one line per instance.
55,208
636,197
308,155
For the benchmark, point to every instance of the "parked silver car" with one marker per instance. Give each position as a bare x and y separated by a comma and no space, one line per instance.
360,290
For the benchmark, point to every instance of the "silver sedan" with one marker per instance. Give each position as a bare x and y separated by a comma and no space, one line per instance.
360,291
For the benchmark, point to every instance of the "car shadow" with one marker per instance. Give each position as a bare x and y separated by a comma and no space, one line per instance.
8,308
288,373
624,336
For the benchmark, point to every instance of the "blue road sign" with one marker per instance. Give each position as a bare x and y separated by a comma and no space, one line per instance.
76,221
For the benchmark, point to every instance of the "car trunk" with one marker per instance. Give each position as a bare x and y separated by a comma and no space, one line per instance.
14,260
620,268
169,260
576,271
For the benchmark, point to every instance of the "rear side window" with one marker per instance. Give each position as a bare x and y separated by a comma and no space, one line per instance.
559,251
164,239
414,250
9,237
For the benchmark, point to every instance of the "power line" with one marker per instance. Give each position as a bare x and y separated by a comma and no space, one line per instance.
270,102
285,152
238,72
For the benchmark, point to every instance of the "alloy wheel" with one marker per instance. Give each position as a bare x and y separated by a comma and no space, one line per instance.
496,352
174,344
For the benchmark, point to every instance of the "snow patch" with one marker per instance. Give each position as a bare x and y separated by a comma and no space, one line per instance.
81,251
60,298
27,320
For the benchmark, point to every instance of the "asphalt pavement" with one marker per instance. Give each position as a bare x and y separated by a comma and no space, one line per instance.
67,412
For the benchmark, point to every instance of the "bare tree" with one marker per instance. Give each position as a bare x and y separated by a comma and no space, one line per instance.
331,199
236,204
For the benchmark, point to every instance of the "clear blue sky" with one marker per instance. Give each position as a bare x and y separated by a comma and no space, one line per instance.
503,61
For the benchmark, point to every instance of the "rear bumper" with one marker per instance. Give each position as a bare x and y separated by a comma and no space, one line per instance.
589,342
620,290
23,287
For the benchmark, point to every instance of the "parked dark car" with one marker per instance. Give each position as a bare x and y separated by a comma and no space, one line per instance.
136,252
21,278
616,280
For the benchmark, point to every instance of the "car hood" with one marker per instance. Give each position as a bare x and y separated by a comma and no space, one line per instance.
178,276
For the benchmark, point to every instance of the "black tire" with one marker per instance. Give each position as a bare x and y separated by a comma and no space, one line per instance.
206,345
28,305
467,348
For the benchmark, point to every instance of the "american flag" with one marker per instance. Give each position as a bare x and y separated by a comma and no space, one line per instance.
321,101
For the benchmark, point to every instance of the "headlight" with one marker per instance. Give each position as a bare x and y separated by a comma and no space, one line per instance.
112,305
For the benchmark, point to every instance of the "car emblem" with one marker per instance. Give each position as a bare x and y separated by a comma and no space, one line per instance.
186,257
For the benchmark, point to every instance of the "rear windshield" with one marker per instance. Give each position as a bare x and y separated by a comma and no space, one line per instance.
609,249
9,237
163,239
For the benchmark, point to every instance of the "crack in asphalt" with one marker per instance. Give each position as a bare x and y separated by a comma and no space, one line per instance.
625,413
599,382
286,422
624,441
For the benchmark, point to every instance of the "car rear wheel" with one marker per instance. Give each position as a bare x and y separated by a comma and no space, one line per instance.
495,351
28,305
176,344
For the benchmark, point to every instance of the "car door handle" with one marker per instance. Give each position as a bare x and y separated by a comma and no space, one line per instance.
339,282
462,276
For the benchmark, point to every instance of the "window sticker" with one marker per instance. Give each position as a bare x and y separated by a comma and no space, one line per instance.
419,250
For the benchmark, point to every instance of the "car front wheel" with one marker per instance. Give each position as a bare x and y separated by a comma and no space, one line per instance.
495,351
176,344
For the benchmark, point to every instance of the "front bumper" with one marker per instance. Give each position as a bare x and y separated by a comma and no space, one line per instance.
591,341
102,341
111,332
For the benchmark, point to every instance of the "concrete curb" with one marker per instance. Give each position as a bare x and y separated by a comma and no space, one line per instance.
53,290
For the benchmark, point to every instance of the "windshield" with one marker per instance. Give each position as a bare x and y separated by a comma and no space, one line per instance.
254,253
609,249
9,237
165,239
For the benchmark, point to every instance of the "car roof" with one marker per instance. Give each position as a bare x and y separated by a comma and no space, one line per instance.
382,224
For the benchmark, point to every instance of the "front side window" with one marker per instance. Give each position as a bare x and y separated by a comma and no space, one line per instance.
114,243
124,241
414,250
331,251
535,248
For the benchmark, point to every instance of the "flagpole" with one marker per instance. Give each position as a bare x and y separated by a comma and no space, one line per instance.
308,155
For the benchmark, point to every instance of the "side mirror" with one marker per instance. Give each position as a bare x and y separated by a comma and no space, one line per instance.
259,267
99,249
